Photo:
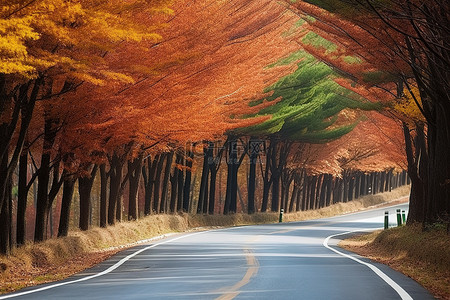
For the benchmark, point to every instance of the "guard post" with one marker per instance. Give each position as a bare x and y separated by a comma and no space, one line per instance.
399,218
281,216
404,216
386,220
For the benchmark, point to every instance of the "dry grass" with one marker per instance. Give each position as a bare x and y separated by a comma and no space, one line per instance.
423,256
398,195
59,258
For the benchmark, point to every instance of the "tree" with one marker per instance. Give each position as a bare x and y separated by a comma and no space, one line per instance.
50,47
407,40
311,110
235,57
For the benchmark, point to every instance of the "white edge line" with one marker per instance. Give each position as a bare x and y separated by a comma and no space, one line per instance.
403,294
110,269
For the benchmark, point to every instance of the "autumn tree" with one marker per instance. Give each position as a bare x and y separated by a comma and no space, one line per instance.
200,86
404,40
308,112
48,48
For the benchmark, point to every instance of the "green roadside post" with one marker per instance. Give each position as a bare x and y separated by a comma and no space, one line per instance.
399,218
404,216
281,216
386,220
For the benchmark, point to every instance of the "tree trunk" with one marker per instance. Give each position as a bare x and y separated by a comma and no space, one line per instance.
134,170
313,191
84,190
293,197
387,185
22,198
339,188
382,181
4,192
64,219
42,199
287,176
357,184
439,168
116,170
299,199
165,185
376,187
309,201
351,186
187,181
404,178
5,221
157,185
323,188
226,207
149,182
214,165
254,153
279,151
267,182
329,190
175,184
418,165
275,192
370,183
103,197
180,183
417,203
234,183
23,106
212,191
231,192
42,205
265,199
56,185
305,193
299,181
345,181
275,176
363,188
203,192
295,191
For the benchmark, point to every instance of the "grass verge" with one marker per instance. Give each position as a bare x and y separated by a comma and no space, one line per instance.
59,258
423,256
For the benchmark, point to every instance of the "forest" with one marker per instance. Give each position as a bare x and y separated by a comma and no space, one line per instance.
115,110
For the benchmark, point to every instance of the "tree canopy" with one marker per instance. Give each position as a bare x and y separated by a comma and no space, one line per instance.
327,87
309,106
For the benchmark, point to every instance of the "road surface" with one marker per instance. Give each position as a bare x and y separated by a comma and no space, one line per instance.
298,260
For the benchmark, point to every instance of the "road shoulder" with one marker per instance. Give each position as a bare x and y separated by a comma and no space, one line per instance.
423,256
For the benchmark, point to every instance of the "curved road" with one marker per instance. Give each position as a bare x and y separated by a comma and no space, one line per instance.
296,260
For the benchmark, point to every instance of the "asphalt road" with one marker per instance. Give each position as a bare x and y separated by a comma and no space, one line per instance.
279,261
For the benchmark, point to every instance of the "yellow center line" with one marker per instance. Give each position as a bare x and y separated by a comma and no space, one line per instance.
233,291
253,266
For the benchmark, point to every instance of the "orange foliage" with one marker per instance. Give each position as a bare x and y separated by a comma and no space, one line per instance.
376,144
366,53
193,85
372,41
